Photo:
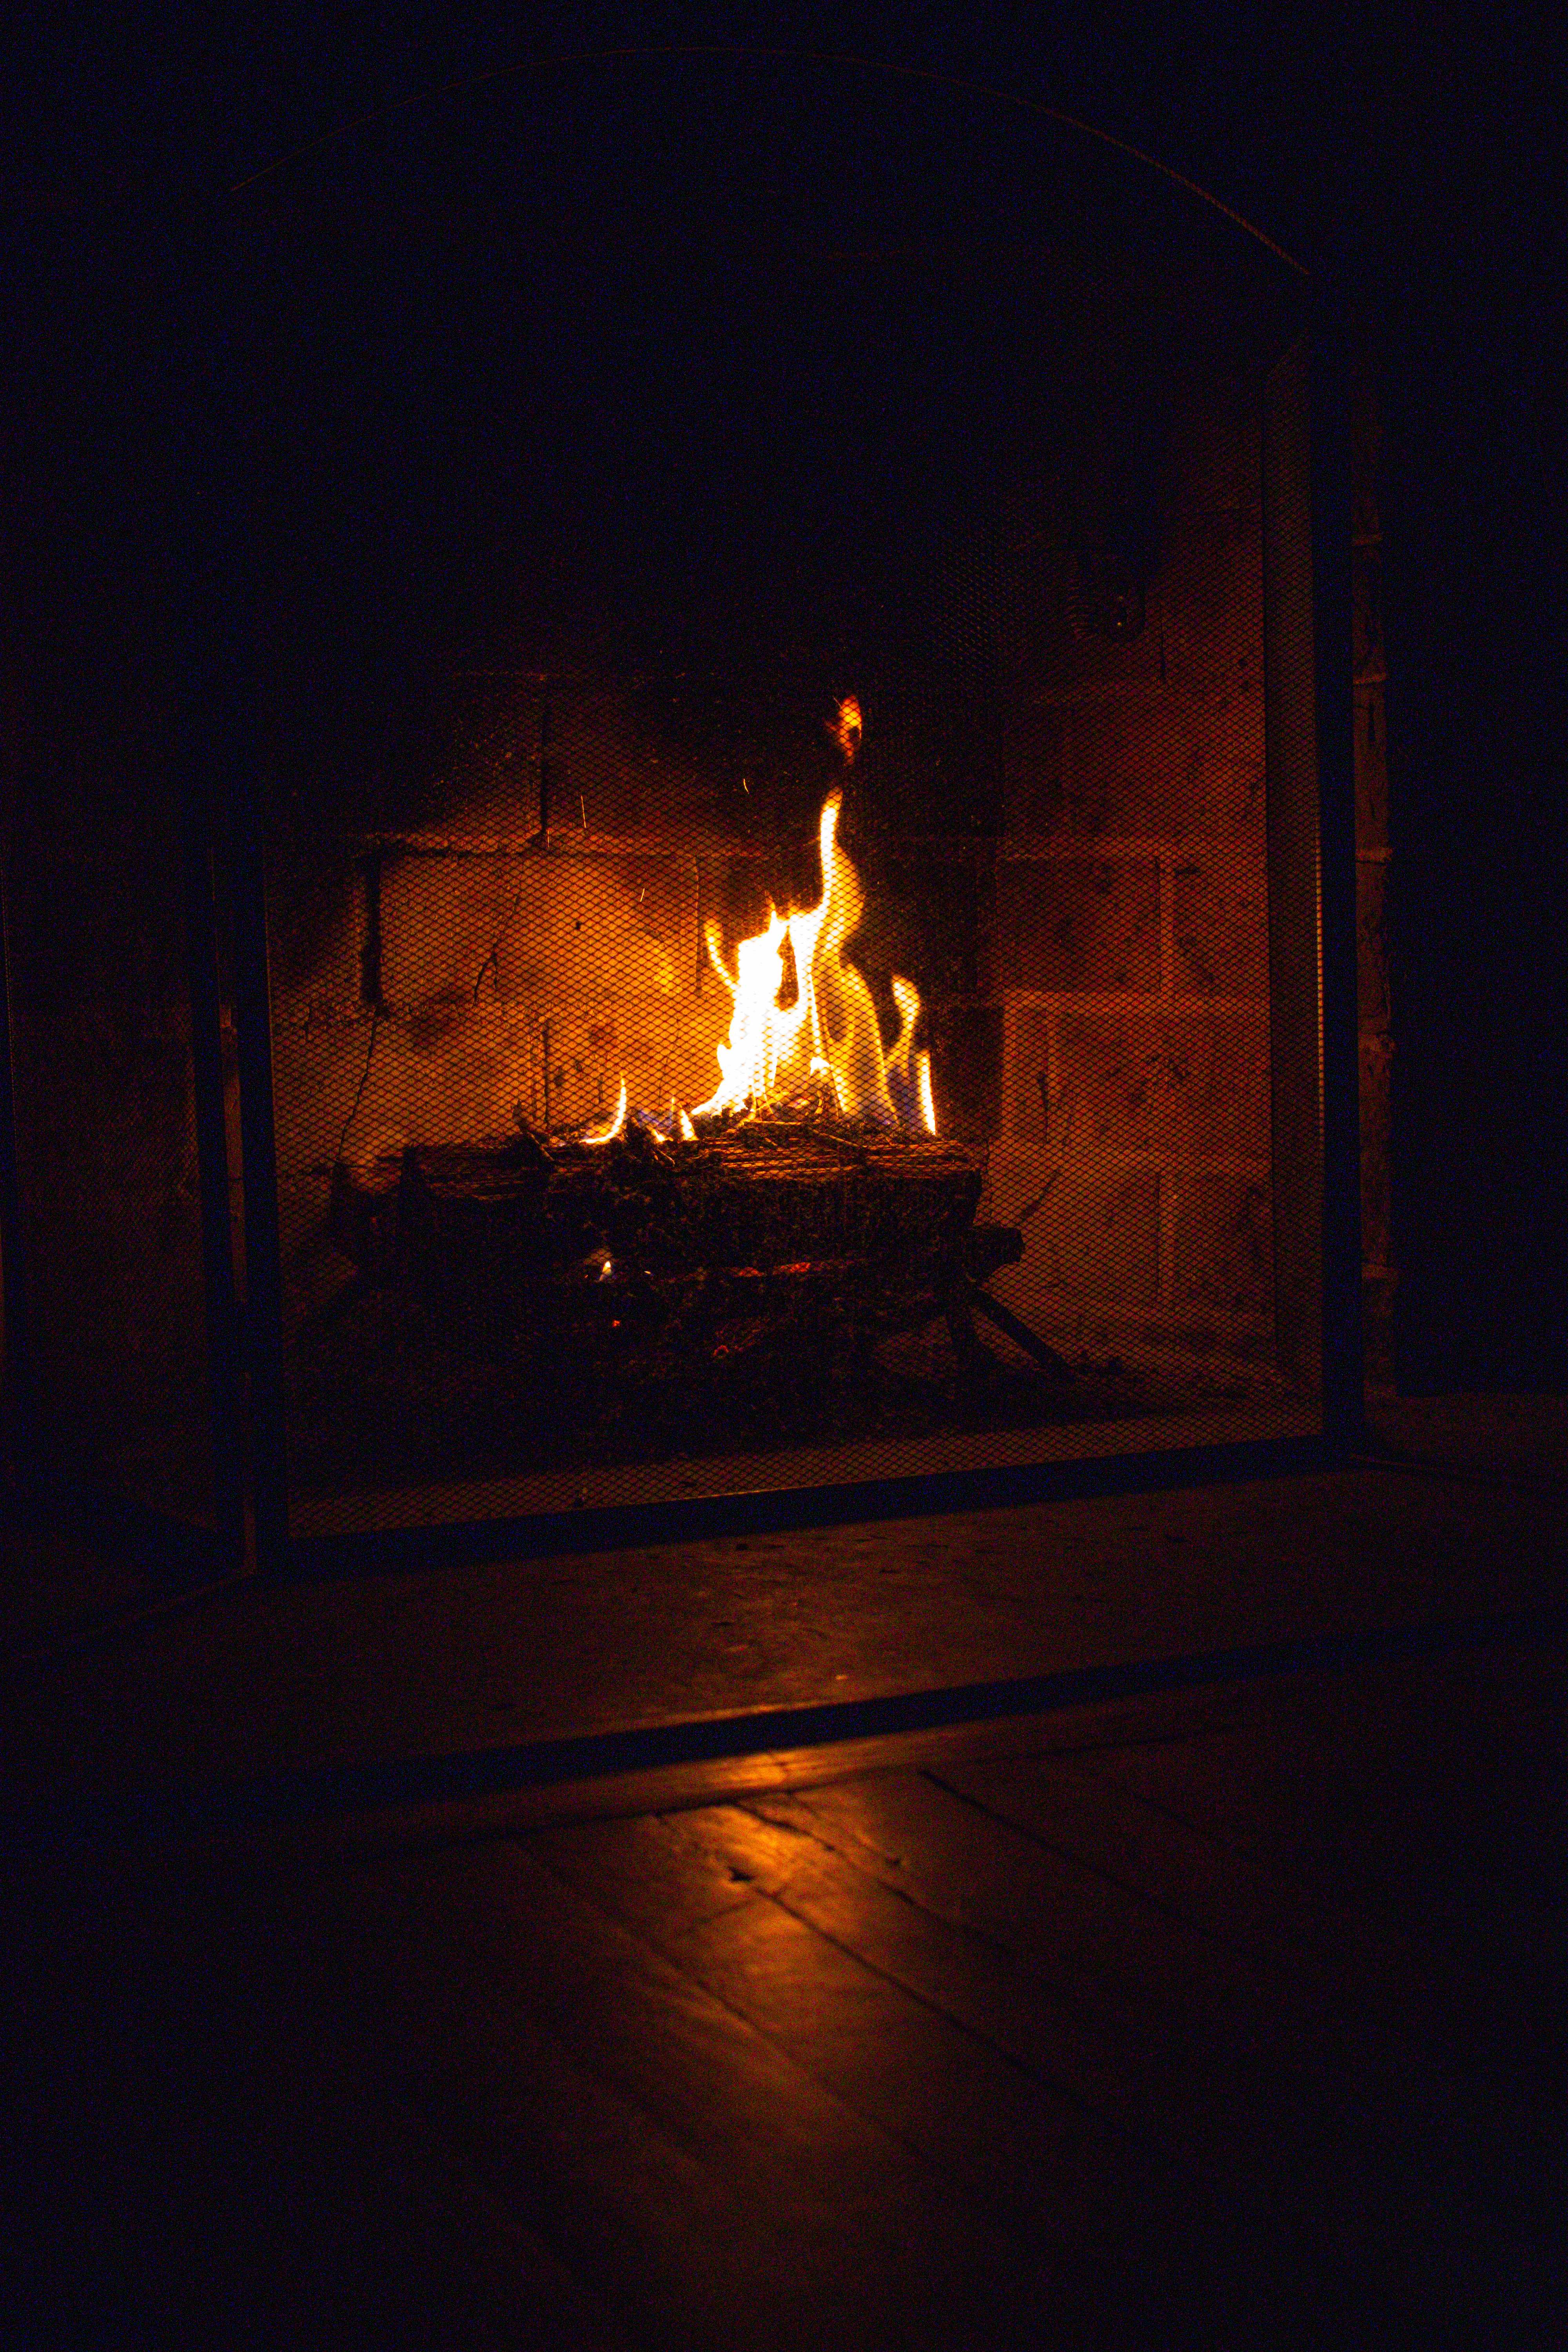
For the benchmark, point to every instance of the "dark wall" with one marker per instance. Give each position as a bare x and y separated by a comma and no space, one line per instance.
1475,598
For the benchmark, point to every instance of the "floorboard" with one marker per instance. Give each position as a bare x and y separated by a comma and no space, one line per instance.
1407,1800
945,2094
1230,2021
679,2154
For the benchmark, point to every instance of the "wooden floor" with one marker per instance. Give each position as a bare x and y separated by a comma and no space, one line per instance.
1229,2020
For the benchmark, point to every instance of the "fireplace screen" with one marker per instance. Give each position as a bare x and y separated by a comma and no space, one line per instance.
787,840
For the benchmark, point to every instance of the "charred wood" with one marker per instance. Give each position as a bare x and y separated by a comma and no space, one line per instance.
757,1227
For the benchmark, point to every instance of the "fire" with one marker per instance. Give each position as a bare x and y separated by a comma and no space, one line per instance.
616,1125
804,1036
826,1035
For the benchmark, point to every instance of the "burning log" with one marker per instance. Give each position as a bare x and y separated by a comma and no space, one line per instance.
755,1230
761,1195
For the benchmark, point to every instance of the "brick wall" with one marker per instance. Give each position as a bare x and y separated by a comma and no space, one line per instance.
433,977
1134,934
1379,1279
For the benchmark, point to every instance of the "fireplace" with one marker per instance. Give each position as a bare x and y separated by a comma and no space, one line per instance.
728,894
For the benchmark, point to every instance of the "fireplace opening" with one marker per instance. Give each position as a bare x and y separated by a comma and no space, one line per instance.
787,829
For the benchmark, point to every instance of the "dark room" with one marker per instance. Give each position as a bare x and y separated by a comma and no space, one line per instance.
781,1264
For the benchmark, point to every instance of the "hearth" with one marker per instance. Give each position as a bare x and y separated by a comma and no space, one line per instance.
727,892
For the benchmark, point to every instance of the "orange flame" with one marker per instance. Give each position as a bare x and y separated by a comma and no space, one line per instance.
830,1030
616,1125
850,728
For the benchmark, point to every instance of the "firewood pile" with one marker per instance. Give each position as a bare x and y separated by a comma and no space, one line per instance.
752,1226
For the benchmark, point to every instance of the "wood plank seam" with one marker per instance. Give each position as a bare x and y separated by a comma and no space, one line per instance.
1002,2207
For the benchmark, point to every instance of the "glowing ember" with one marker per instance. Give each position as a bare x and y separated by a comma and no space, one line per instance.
825,1038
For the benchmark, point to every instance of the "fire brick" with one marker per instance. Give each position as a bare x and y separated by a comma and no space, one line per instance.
1211,586
1096,1237
432,1078
445,1072
569,926
1220,433
440,916
1166,764
966,1063
316,947
1077,924
1108,1091
1217,1075
1033,769
1040,650
1224,1244
935,924
1222,928
619,770
1034,1117
1193,1084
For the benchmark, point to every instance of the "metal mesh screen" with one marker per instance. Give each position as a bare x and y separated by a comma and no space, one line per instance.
940,490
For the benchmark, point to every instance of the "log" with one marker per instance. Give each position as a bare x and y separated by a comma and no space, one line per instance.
758,1228
755,1195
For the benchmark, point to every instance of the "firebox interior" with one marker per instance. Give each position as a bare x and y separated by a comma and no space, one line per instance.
639,461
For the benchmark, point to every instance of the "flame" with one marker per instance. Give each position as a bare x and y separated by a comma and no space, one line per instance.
922,1087
850,728
616,1125
683,1126
828,1032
